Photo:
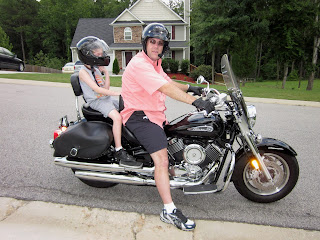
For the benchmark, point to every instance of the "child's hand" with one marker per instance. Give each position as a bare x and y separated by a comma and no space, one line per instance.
102,69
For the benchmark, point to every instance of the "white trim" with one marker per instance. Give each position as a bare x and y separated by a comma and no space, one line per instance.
123,54
172,11
124,11
129,34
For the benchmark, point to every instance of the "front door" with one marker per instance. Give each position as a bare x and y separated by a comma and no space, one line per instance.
128,56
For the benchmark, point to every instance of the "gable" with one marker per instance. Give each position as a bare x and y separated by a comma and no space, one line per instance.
153,10
127,16
148,11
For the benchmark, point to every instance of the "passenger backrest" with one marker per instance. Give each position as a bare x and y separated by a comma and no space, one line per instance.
121,103
75,83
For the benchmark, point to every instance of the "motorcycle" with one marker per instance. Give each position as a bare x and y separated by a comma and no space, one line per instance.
206,151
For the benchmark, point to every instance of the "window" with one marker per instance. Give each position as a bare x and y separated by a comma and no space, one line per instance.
172,32
168,54
127,33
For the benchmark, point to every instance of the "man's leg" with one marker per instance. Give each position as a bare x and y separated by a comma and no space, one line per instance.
161,174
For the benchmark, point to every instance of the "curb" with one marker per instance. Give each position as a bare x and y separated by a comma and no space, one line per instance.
20,219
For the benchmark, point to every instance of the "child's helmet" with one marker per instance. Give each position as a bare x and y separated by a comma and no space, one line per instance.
86,48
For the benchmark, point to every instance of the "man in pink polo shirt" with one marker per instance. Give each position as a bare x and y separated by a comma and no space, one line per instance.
144,89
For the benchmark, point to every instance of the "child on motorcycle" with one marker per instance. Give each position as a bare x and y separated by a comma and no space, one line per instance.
92,51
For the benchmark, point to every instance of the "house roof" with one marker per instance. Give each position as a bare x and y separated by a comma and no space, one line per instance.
101,28
98,27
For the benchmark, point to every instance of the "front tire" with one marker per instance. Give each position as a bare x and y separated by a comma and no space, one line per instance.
253,185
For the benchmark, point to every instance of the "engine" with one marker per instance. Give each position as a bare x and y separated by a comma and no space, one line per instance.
192,160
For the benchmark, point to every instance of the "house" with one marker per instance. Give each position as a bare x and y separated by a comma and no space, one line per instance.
123,33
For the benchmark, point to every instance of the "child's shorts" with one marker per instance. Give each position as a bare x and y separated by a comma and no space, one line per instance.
105,105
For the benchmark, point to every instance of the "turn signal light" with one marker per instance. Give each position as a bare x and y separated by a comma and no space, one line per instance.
255,164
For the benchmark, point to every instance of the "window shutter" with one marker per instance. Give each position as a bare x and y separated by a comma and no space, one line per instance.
173,32
174,55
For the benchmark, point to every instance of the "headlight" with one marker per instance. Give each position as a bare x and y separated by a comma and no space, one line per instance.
252,114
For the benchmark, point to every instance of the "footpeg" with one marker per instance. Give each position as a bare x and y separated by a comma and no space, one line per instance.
200,189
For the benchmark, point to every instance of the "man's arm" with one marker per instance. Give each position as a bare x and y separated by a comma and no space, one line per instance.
183,87
173,91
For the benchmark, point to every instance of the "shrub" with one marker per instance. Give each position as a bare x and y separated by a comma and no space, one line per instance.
165,64
43,60
293,76
204,70
173,65
115,67
185,66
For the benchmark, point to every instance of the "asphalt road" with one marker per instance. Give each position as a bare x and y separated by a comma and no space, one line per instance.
29,115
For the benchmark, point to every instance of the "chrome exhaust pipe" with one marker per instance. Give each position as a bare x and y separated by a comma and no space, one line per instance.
135,180
98,167
109,177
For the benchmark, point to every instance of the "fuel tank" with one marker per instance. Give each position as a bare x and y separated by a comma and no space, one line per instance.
196,124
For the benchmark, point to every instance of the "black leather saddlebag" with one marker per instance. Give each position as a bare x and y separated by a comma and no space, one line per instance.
87,140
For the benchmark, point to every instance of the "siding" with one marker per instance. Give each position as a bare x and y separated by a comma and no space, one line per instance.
147,10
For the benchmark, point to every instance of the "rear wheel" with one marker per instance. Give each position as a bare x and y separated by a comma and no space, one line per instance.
96,184
253,185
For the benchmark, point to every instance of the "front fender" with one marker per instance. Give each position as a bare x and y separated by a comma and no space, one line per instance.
270,143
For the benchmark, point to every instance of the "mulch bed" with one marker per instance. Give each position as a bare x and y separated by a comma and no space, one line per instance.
181,77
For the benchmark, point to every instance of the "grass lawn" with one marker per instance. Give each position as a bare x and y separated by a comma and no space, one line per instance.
268,89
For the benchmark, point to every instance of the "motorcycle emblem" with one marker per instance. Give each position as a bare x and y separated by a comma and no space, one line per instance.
201,129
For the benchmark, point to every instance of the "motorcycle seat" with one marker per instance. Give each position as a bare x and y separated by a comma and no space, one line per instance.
93,115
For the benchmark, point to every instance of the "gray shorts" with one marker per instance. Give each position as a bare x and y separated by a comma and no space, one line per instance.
105,105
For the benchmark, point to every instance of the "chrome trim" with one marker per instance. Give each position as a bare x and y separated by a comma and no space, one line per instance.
109,177
230,172
64,162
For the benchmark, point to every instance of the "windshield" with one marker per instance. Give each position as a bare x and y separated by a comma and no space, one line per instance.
233,86
228,75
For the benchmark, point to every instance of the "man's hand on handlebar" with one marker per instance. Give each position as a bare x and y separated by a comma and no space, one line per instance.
204,105
196,90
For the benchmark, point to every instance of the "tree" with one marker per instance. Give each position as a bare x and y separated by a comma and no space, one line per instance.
58,29
316,43
289,21
4,40
16,17
211,28
216,25
110,8
177,6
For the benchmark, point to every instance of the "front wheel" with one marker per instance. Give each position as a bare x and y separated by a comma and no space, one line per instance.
253,185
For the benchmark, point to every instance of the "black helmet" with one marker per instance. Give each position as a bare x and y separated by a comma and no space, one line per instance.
86,47
156,30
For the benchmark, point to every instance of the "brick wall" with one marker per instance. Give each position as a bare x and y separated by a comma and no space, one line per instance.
119,34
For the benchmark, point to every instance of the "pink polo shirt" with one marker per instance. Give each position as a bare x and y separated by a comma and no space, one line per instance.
140,83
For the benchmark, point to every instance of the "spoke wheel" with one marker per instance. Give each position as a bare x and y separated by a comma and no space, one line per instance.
252,183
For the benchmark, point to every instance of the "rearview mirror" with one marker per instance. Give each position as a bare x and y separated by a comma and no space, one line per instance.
201,79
